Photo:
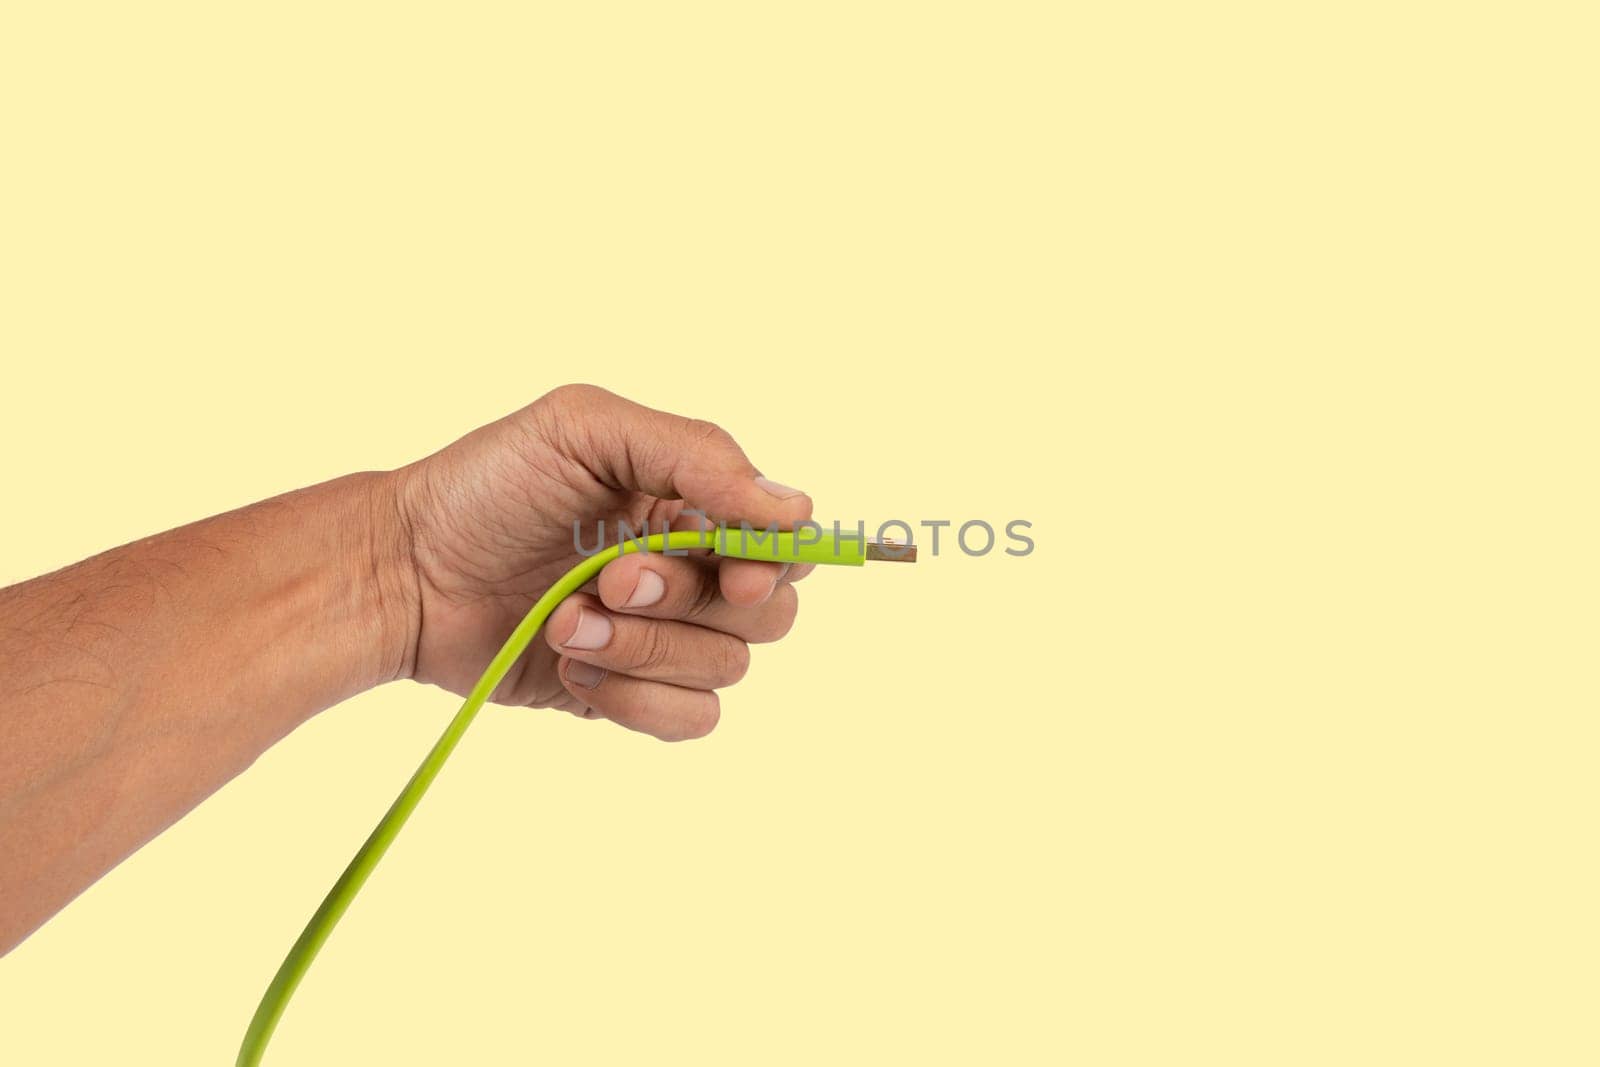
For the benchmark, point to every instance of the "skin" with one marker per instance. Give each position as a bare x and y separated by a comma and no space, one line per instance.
135,683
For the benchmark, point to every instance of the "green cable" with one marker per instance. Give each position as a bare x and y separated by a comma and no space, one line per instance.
337,902
809,545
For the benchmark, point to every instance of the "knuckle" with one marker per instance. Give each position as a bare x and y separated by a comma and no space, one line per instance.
705,432
702,597
735,661
778,619
565,412
574,395
652,650
698,723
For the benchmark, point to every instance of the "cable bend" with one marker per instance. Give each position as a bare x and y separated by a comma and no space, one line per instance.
337,902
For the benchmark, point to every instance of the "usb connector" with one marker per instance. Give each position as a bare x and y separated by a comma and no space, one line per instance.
809,544
891,551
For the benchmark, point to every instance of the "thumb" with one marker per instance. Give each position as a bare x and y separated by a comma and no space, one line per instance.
630,446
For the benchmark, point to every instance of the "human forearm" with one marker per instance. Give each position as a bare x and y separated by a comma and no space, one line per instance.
134,684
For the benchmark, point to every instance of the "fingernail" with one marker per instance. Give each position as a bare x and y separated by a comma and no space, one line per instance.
778,489
584,675
649,589
593,631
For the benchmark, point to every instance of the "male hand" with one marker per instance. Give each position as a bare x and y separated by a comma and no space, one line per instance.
489,527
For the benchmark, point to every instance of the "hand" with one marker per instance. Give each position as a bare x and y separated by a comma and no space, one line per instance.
489,523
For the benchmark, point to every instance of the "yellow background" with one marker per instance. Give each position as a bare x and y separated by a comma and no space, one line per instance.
1278,321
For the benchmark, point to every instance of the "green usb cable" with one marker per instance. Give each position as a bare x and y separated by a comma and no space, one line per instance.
809,544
